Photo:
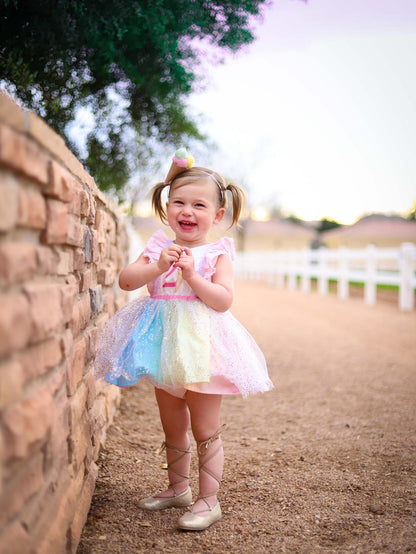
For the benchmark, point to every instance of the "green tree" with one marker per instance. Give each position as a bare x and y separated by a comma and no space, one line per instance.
411,215
326,224
132,63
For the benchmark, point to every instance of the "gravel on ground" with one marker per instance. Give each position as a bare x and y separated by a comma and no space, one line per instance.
325,462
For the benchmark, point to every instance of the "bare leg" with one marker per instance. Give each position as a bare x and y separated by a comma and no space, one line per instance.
205,422
174,416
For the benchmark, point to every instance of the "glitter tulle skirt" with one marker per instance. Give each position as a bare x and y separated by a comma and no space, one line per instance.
180,343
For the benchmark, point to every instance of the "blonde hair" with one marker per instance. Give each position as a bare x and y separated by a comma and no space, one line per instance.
192,175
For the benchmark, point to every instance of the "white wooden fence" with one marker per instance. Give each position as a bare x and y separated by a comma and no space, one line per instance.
372,266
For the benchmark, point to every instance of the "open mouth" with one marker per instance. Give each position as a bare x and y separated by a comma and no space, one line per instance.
187,225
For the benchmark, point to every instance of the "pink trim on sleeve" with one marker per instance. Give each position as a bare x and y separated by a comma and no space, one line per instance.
155,245
223,246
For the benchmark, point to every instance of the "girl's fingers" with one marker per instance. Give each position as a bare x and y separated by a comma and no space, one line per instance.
186,250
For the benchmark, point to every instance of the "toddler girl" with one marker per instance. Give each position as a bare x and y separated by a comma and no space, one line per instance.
182,337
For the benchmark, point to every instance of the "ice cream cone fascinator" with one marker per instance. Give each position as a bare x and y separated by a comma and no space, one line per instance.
181,160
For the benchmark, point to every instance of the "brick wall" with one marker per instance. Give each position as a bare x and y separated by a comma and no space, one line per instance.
61,248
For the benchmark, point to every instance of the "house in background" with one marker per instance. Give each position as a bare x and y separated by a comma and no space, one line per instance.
274,234
381,230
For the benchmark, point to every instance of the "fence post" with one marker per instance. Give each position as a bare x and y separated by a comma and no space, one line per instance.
370,287
305,280
343,289
280,276
406,294
291,277
322,270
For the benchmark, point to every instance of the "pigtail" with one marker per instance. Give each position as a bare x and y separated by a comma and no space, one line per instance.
157,203
238,199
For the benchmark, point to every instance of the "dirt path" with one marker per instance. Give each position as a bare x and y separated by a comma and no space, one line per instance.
324,463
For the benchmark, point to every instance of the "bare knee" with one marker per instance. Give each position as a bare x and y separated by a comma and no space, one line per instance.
174,416
205,414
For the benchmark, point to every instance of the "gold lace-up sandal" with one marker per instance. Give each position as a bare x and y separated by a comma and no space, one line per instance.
177,500
192,521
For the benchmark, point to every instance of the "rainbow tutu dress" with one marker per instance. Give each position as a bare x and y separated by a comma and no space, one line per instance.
176,341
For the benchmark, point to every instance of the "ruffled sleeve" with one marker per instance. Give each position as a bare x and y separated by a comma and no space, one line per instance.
223,246
155,245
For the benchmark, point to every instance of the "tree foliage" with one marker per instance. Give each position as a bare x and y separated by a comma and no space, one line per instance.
132,63
411,215
326,224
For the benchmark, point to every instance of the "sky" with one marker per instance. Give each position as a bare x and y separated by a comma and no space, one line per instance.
318,115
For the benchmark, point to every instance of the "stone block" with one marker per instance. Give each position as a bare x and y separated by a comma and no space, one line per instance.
86,201
14,539
11,382
45,308
79,259
97,303
76,231
57,226
100,224
41,358
92,343
103,252
53,536
78,406
46,261
22,155
112,401
68,292
9,205
56,451
27,424
67,343
2,468
77,193
88,245
16,324
31,208
17,262
85,279
57,380
83,506
95,250
81,313
111,230
55,516
90,382
98,419
107,276
26,482
60,184
76,367
109,302
115,255
80,445
65,263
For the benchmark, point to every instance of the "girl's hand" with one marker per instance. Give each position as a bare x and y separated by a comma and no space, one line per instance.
169,255
218,293
186,263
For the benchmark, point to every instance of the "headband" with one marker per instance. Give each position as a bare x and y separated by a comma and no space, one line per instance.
217,182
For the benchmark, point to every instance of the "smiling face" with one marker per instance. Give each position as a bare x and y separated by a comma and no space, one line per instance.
192,210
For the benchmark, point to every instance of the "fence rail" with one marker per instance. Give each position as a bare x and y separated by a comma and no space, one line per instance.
371,266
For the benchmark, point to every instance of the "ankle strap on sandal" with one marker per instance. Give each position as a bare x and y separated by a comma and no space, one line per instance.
202,446
165,446
168,466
